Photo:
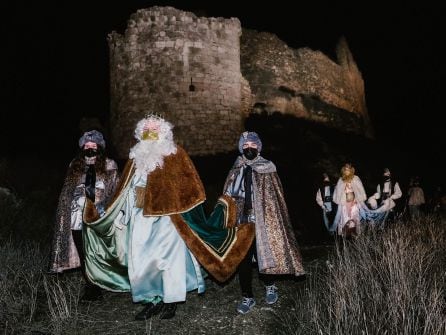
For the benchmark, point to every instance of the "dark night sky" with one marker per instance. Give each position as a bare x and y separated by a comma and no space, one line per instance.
56,65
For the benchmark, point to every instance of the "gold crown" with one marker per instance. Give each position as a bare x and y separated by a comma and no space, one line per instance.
156,116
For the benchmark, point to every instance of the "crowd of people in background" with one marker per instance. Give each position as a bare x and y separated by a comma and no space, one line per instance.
346,208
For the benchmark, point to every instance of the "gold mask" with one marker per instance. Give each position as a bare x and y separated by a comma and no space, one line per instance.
150,135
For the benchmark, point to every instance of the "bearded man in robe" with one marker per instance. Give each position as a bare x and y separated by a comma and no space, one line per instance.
154,238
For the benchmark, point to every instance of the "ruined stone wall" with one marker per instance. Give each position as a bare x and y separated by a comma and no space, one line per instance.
202,77
184,67
304,83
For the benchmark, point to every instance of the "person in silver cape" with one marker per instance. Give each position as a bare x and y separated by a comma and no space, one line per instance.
255,185
90,174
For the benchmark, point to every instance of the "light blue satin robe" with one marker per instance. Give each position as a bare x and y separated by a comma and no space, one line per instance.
159,263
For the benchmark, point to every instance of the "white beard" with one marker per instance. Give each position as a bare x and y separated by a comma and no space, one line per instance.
148,155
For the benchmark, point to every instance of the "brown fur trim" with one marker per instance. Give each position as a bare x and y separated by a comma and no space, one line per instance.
90,213
139,192
174,188
231,210
221,268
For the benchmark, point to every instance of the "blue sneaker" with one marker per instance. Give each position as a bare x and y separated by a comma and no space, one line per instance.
246,305
271,296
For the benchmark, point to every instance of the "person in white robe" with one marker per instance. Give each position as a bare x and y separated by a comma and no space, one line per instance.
350,196
383,201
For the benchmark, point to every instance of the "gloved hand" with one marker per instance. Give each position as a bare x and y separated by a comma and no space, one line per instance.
90,193
90,183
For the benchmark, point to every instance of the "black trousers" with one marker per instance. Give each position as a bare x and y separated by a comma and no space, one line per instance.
78,242
245,273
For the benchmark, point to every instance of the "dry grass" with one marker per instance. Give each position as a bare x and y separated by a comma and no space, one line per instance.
384,282
32,301
19,283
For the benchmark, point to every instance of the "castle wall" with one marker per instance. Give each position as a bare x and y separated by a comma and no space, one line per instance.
155,63
305,83
202,77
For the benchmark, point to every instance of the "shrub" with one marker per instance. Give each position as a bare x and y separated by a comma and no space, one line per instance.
383,282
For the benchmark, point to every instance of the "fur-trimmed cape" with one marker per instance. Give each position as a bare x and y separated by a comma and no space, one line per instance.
176,190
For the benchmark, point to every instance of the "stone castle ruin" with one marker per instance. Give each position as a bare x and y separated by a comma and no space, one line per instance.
206,75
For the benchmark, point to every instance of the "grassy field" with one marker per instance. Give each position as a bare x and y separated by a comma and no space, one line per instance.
383,282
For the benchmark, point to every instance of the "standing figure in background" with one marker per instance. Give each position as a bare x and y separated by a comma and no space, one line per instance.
255,185
90,174
386,192
416,198
349,195
324,198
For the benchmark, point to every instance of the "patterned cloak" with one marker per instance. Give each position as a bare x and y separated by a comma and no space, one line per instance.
277,248
64,255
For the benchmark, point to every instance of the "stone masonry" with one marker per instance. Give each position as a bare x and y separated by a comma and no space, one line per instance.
305,83
202,77
186,69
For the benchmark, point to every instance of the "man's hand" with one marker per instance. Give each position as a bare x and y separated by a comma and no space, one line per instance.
90,192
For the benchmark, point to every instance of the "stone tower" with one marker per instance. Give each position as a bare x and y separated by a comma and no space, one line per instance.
184,67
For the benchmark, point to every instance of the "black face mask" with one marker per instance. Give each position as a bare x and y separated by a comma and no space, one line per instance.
326,183
90,152
250,153
386,178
